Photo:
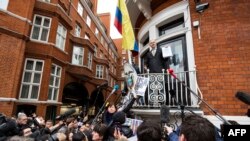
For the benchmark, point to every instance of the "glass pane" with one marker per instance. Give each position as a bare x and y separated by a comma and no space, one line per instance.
44,34
35,34
39,66
38,20
29,65
80,60
53,69
55,94
37,77
58,40
46,22
34,92
50,94
27,77
57,82
58,71
25,91
51,81
62,43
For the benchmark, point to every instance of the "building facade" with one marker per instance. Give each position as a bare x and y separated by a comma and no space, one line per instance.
206,36
55,55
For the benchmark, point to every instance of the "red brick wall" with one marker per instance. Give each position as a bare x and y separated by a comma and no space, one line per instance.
222,53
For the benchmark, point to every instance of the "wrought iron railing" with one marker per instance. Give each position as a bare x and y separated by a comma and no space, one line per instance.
163,89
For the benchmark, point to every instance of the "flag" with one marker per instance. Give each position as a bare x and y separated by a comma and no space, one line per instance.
124,26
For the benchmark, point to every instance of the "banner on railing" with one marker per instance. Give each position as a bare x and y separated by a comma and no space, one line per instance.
141,85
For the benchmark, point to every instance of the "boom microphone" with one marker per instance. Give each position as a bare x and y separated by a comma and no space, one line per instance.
116,87
165,114
244,97
66,114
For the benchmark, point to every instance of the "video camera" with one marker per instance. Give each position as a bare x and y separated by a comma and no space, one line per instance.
66,114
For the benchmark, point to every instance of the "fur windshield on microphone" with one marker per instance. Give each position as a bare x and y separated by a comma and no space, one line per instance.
244,97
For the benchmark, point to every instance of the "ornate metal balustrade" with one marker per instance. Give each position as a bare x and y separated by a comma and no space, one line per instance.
163,89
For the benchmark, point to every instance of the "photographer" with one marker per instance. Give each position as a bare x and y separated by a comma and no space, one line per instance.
117,126
8,127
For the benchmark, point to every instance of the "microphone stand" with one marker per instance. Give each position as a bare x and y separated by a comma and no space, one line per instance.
104,104
182,106
218,115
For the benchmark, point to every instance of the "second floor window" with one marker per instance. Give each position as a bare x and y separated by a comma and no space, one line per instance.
41,27
61,36
54,83
99,71
95,49
80,9
88,21
77,31
90,55
77,56
4,4
31,80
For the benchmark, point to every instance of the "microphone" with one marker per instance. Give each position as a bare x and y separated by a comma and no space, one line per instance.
244,97
164,114
116,87
66,114
171,72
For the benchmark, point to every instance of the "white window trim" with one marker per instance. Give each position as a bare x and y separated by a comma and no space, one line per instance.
59,83
78,33
90,58
24,68
99,70
61,36
79,3
78,55
4,6
88,21
40,33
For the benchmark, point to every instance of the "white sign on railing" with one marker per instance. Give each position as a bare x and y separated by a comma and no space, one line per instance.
141,85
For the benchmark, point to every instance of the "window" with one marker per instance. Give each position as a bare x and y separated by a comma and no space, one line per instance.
99,71
101,40
61,36
77,31
88,21
77,57
4,4
41,27
90,55
86,36
46,0
96,32
95,49
170,26
31,80
54,83
80,9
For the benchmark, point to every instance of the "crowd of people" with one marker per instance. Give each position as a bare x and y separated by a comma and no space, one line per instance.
110,128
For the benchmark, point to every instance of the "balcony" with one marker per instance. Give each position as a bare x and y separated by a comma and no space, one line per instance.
164,89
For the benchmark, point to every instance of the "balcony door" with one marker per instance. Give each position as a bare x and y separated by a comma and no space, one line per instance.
179,61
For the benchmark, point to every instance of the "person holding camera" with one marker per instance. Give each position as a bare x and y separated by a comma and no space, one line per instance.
194,128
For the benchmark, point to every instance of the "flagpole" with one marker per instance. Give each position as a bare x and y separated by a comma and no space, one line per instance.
129,57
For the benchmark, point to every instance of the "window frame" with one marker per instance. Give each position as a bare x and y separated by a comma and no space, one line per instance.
90,59
61,36
99,71
31,83
40,28
54,80
77,55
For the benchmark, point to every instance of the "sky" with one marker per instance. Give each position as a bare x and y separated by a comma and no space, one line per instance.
105,6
